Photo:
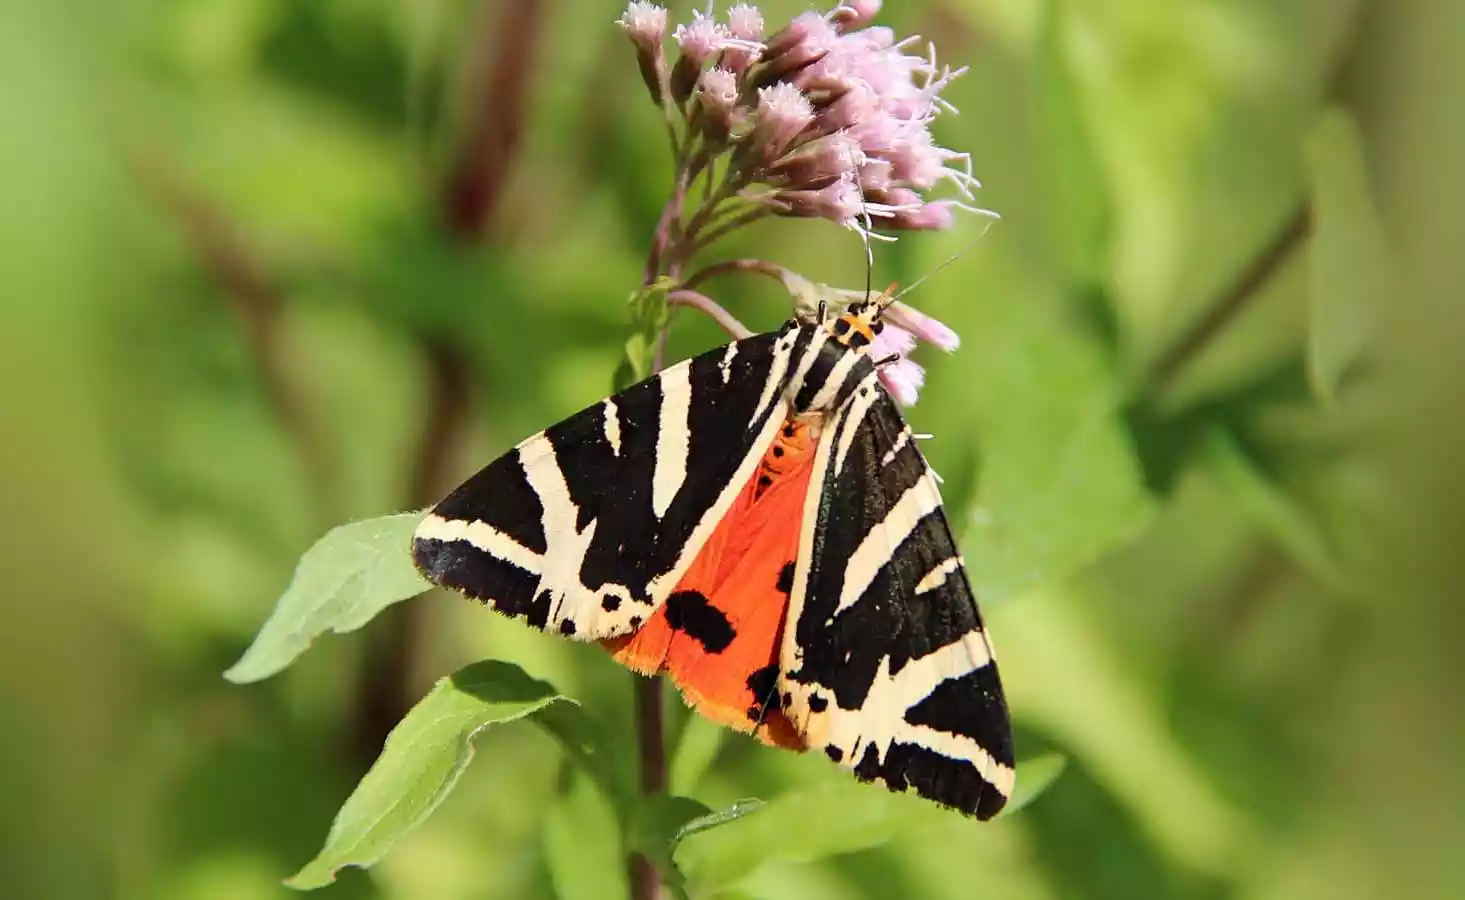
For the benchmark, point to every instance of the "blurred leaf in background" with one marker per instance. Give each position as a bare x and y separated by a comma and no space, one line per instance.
268,266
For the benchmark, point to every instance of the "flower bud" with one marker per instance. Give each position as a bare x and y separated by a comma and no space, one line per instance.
782,114
645,24
699,42
817,163
839,202
805,40
717,101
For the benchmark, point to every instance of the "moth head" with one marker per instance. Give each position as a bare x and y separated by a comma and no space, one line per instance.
857,326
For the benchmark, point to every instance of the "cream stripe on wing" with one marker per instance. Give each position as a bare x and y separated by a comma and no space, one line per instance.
864,397
937,576
835,380
725,367
482,536
673,438
659,587
900,441
880,542
880,720
776,370
806,362
612,417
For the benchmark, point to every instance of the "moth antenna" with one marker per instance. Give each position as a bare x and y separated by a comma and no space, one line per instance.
865,233
887,297
948,261
763,706
888,360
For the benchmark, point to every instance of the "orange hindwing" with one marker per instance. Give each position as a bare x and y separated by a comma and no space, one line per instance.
718,634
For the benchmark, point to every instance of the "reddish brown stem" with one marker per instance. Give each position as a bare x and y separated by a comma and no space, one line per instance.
645,880
761,266
473,187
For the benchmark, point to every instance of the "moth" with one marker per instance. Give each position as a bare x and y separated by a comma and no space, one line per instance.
759,524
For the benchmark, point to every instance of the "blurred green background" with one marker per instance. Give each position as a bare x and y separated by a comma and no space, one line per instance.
267,265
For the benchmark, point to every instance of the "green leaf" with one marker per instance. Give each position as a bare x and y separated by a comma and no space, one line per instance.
800,826
421,762
349,576
649,317
1034,777
711,820
663,821
1351,267
1058,483
658,821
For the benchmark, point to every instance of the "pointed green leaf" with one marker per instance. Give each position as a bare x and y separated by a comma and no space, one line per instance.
1034,777
800,826
658,820
716,819
663,821
421,762
1352,271
349,576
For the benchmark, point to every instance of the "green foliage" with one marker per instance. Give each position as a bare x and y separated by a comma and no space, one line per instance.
649,316
695,751
340,584
232,278
422,760
1351,266
1034,777
1057,482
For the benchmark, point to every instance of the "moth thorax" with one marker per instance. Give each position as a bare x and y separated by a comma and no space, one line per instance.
855,329
830,378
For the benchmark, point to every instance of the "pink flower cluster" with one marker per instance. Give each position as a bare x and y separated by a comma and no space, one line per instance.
824,118
827,118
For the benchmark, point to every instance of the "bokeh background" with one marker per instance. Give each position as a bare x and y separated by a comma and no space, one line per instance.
267,265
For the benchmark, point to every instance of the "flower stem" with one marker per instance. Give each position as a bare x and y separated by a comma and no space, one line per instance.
762,266
709,307
645,880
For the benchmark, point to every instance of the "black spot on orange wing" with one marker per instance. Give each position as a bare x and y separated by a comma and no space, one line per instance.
690,612
763,685
786,578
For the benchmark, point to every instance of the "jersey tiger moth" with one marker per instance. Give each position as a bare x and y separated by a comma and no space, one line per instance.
758,523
